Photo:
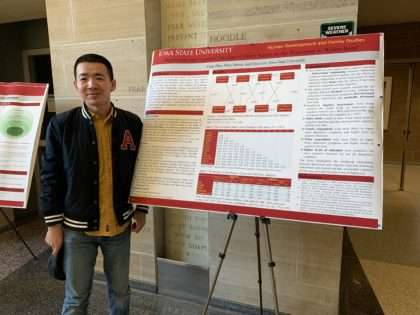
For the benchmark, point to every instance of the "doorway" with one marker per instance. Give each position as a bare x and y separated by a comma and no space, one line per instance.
402,124
37,69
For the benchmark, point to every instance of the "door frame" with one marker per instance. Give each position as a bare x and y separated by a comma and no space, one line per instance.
411,63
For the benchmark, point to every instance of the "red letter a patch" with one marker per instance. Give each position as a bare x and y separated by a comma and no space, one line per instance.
128,141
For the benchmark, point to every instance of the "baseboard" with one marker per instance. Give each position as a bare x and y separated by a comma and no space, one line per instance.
134,284
245,309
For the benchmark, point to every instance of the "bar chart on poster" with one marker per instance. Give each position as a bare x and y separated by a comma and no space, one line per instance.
288,130
21,111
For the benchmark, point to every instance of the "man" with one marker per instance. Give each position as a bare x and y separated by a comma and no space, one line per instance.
86,176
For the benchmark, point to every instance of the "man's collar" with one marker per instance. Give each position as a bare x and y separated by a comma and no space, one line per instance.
88,115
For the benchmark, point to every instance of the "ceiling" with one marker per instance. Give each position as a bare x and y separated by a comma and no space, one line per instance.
371,12
21,10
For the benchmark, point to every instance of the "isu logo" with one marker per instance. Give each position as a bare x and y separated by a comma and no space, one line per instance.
128,142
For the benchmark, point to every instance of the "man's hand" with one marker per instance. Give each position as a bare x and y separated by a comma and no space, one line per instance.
54,238
139,220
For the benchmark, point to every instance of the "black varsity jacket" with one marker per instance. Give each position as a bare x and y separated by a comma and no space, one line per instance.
70,170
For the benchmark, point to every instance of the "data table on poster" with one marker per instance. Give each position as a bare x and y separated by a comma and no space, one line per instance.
248,194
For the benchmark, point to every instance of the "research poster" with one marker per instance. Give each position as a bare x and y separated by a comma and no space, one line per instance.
21,112
289,130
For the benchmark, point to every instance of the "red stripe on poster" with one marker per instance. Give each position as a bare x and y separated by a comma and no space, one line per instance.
18,104
284,107
7,172
218,109
24,89
253,130
303,47
11,189
263,108
198,72
259,69
340,64
253,211
344,178
174,112
7,203
222,79
206,181
287,76
208,156
264,77
242,78
239,109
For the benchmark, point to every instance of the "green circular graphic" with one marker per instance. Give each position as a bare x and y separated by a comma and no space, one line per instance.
15,124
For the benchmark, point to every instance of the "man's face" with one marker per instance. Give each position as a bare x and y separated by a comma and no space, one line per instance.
94,85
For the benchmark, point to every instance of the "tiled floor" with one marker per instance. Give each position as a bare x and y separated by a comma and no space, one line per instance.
13,253
391,257
380,273
30,290
356,294
26,287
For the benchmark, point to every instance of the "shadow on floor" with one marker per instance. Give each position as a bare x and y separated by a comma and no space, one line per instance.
356,294
30,290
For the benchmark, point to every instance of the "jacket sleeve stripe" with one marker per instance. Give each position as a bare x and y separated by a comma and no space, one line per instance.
127,214
75,222
49,217
53,220
76,225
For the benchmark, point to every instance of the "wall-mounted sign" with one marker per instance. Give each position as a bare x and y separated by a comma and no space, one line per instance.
337,29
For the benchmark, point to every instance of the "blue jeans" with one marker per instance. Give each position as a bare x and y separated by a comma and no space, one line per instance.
80,251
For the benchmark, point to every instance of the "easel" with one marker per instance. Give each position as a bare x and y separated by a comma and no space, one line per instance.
17,233
271,263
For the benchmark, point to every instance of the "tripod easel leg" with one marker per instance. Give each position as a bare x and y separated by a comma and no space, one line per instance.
17,233
257,236
222,256
271,263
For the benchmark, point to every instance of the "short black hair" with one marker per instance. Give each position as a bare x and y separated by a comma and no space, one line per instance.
94,58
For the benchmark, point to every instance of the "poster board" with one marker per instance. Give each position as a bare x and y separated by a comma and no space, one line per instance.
21,112
289,130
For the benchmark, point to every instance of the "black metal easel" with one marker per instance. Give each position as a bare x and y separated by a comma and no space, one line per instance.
17,233
271,263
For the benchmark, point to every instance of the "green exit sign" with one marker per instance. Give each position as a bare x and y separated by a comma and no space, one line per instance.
337,29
